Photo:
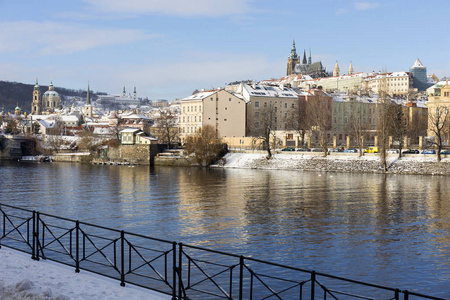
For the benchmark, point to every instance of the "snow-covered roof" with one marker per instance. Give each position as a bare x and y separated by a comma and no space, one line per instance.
134,116
259,90
70,118
128,130
199,96
417,64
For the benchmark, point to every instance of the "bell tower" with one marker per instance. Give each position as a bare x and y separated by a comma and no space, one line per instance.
336,71
36,103
293,59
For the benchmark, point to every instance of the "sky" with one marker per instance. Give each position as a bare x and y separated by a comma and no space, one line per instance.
167,49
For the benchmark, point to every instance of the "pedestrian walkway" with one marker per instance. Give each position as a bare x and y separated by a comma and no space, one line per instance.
22,277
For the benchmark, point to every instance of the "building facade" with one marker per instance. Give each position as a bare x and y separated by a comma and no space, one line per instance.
224,111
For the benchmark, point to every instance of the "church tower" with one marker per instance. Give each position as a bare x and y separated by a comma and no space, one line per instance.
134,94
309,58
336,71
293,59
124,93
88,107
350,69
36,103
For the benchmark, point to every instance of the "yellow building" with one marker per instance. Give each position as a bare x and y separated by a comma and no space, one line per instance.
439,105
225,111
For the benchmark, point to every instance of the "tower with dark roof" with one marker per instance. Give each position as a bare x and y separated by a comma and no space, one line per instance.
293,59
419,74
36,105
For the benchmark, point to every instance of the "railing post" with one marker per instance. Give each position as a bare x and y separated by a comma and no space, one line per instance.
241,276
313,282
37,236
174,271
122,258
77,246
33,256
406,293
179,269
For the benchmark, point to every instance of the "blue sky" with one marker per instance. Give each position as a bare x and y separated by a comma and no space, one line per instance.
169,48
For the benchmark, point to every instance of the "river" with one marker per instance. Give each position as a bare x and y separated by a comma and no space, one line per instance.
390,230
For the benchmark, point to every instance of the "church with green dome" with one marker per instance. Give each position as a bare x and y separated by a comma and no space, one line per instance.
49,101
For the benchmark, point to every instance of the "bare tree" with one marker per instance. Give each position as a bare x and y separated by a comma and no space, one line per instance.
417,125
204,145
319,119
264,127
438,118
358,125
396,124
167,130
297,119
383,123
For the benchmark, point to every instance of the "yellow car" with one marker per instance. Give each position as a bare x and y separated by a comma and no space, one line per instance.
371,150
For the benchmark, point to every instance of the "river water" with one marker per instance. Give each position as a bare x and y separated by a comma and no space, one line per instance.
390,230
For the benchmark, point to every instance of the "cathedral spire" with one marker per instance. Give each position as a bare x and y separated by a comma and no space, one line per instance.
309,58
88,99
304,58
293,51
350,69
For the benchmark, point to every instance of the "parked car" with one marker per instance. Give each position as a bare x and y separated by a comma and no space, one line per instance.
302,149
288,149
371,150
351,150
429,151
446,152
410,151
392,151
334,150
316,150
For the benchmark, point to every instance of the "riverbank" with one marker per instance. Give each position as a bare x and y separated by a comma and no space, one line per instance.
416,164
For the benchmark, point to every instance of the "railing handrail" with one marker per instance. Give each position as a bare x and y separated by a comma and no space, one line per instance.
37,247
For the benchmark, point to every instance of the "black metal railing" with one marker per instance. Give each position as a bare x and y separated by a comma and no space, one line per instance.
179,270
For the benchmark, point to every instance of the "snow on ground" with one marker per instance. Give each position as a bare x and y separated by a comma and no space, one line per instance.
339,162
24,278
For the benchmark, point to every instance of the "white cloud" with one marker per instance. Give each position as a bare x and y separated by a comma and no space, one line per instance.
209,8
365,5
52,38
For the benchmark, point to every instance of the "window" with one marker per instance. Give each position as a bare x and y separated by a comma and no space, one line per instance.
225,120
183,109
199,118
199,108
211,99
229,99
188,108
256,104
285,105
256,114
195,108
265,104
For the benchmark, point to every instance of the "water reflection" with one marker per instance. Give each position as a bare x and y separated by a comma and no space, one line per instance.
392,230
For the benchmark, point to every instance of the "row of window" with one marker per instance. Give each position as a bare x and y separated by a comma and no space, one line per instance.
192,108
281,104
191,119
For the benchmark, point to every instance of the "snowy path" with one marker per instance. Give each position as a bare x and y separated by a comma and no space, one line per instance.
24,278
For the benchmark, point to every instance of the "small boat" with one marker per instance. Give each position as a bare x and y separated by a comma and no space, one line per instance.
35,159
